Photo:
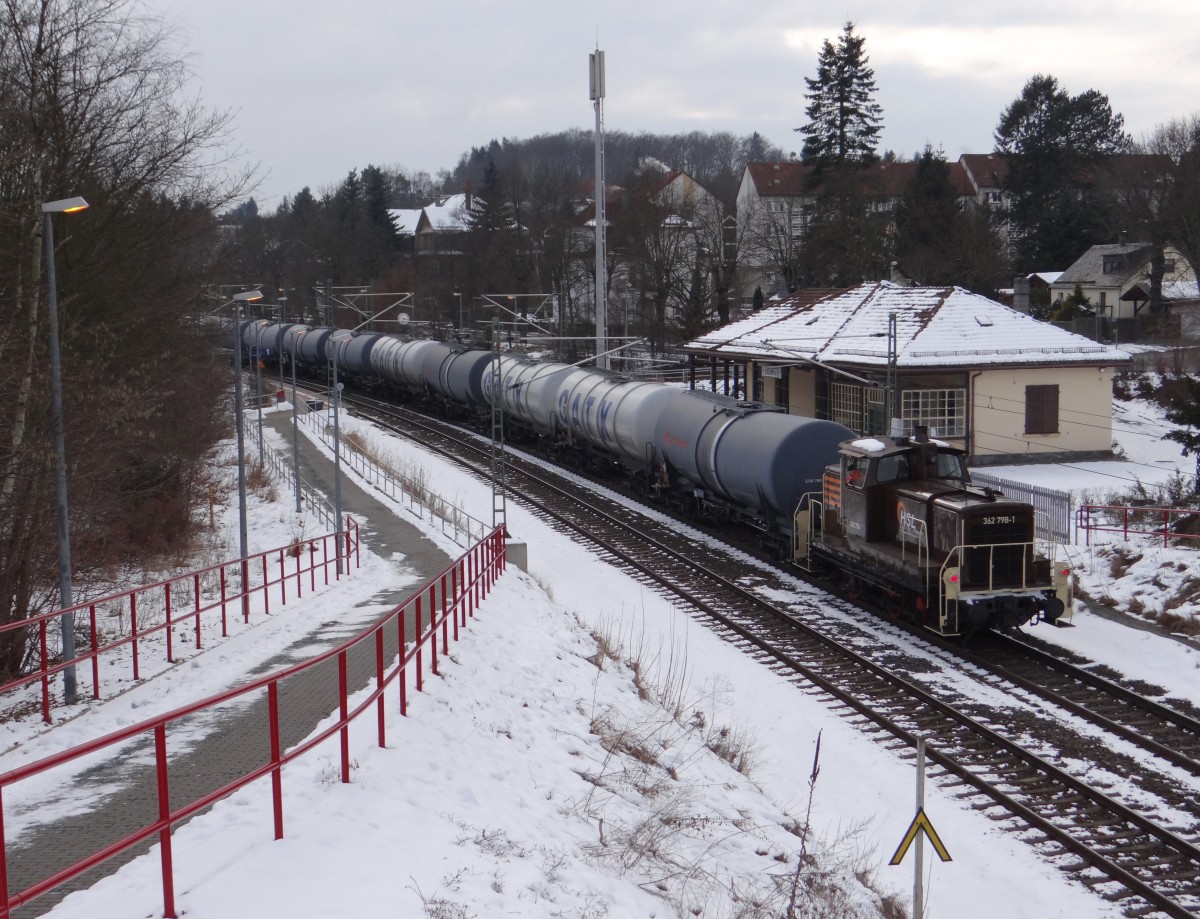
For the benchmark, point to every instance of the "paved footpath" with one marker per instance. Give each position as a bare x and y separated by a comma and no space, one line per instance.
237,743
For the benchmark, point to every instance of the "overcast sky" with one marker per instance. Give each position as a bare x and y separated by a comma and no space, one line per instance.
319,88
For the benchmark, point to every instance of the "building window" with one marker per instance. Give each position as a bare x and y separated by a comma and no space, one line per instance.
846,405
943,411
1041,409
1103,298
1168,266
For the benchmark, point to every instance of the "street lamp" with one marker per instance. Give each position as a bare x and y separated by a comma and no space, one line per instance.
67,622
458,296
246,296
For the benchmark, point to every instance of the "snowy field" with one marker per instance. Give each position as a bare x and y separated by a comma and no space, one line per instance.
488,799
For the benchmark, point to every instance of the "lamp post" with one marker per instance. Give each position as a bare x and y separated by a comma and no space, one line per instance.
246,296
67,622
458,296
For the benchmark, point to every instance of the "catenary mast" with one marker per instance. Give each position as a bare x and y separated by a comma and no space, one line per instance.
596,69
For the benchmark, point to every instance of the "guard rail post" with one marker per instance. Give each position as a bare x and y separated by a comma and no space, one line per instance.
224,621
433,651
164,819
282,579
266,591
344,711
380,703
196,595
134,632
403,668
276,765
43,647
95,653
170,643
446,619
419,628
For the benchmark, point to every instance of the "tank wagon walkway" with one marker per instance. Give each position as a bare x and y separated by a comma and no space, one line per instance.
124,786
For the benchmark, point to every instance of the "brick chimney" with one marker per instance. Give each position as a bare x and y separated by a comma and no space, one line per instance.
467,192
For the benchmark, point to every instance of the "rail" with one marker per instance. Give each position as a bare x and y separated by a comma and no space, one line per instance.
461,586
455,522
183,599
1155,522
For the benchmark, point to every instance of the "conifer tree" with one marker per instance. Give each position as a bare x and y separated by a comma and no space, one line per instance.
844,119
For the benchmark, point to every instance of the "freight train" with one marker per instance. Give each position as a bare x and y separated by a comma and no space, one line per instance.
895,519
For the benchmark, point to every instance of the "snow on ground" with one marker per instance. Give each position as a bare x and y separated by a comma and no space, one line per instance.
1156,583
488,798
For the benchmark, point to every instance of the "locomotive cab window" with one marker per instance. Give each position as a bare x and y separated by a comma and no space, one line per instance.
893,469
856,471
947,467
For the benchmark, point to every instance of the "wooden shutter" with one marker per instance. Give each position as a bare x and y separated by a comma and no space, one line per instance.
1041,409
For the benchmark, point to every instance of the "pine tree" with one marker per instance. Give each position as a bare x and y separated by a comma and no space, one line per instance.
844,120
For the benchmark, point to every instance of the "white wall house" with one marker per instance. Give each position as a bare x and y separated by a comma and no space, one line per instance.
985,377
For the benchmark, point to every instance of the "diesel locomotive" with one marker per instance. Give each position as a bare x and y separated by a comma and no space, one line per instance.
896,518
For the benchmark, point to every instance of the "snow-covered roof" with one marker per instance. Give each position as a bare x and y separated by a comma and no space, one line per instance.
935,327
405,219
1047,277
449,213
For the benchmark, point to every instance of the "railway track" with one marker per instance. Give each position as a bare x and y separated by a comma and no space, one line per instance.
1137,853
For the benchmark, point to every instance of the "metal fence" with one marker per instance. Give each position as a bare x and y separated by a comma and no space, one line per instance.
456,523
1053,507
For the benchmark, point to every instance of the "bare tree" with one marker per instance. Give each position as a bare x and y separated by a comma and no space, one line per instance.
92,100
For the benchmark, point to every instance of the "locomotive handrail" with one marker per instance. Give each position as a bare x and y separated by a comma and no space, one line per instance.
218,581
1129,515
461,586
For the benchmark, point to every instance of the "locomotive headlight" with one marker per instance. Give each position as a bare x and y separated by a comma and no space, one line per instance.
950,583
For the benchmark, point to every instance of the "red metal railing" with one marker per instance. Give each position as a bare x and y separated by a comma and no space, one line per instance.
460,588
1155,522
183,599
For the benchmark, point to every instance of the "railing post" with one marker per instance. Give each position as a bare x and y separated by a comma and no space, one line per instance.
403,665
325,557
266,586
43,646
298,551
164,818
420,645
344,712
95,653
170,641
5,910
312,565
455,597
133,629
1166,525
246,591
282,580
379,685
446,619
433,651
224,622
276,770
196,595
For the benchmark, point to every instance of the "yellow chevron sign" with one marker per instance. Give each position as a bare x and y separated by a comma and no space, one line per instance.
922,823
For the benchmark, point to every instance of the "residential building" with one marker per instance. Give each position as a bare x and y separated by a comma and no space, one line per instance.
993,381
1116,277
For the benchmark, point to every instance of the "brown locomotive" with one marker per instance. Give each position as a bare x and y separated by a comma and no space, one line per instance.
898,518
